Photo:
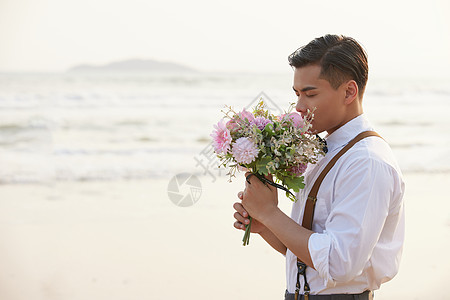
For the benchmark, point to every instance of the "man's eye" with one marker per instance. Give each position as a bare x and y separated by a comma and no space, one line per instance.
309,96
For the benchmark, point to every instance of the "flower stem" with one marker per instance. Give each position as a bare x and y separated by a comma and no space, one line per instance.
246,238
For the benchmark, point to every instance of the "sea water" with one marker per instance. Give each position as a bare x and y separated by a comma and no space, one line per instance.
83,127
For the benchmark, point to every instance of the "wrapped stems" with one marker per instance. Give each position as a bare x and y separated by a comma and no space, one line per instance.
246,238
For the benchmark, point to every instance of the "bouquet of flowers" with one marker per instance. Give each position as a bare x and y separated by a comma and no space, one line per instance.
267,144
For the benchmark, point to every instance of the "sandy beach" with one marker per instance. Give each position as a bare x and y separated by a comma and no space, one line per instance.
127,240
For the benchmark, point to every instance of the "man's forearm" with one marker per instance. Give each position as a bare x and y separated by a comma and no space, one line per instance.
273,241
290,234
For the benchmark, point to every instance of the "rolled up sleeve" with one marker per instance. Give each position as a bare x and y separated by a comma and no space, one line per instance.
319,247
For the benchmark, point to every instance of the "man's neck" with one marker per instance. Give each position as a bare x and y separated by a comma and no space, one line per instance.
345,121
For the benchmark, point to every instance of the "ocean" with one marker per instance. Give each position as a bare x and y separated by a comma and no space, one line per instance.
87,127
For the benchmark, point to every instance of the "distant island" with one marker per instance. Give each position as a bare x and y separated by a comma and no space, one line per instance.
134,65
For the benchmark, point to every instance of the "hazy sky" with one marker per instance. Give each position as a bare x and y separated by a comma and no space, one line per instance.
404,38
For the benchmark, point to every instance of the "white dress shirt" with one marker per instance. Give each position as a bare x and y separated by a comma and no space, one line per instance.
359,217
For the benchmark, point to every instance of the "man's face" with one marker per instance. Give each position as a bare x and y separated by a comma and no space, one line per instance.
316,93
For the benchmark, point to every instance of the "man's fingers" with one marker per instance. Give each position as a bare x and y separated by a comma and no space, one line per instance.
238,206
238,225
240,218
247,178
240,209
240,215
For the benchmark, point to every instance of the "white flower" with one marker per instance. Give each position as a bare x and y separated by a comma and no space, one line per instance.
244,150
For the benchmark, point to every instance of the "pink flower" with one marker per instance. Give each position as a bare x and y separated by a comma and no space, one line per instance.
221,138
260,122
298,169
246,115
294,117
239,119
244,150
232,125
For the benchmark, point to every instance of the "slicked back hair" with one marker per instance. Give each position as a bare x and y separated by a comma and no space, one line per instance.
341,58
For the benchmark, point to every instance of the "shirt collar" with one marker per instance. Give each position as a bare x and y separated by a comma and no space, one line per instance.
347,132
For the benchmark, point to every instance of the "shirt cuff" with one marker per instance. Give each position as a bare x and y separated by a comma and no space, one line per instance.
319,245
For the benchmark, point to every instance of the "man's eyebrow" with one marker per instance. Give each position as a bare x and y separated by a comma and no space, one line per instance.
305,89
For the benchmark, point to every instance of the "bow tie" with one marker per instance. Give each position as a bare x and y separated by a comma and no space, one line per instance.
324,143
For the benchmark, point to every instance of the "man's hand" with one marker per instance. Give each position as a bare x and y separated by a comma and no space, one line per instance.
259,200
241,216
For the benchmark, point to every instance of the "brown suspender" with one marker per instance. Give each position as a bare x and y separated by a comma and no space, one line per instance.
308,215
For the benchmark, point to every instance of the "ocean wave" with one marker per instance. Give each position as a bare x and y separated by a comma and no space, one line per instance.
124,152
110,175
67,127
12,127
395,123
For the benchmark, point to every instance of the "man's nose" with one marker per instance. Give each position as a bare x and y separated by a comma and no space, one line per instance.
300,106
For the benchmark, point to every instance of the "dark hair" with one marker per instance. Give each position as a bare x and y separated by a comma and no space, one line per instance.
341,58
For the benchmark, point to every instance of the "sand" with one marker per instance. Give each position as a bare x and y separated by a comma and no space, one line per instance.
127,240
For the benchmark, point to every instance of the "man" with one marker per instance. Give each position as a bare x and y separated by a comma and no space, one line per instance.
357,234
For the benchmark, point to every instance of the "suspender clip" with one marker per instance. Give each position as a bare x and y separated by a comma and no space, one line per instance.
313,199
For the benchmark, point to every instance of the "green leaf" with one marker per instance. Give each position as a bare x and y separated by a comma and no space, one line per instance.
291,150
295,183
269,129
261,165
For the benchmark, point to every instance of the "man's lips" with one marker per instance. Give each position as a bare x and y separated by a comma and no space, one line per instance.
307,117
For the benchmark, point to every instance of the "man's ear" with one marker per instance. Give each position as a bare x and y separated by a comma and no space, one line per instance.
351,91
